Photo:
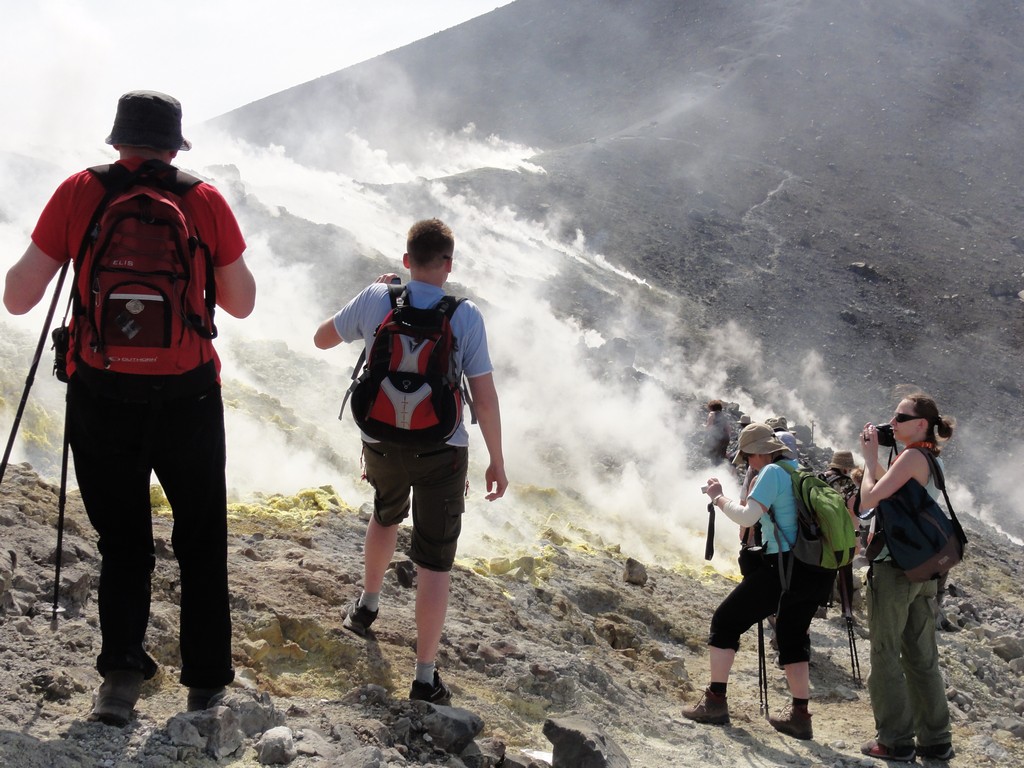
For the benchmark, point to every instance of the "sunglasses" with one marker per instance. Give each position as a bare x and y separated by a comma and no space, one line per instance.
902,417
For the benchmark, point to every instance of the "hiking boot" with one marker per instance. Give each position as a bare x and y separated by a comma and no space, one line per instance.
937,751
438,693
358,618
713,709
116,697
205,698
895,754
795,722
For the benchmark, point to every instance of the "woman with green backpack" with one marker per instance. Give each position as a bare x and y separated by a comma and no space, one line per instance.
760,594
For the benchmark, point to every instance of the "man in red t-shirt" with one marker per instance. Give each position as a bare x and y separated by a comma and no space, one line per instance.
124,427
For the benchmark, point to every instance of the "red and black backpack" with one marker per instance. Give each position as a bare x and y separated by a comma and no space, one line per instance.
409,390
144,294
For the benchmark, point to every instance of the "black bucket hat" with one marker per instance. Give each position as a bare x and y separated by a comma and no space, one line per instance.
148,119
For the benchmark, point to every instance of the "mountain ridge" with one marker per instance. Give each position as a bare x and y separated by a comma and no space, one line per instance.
838,178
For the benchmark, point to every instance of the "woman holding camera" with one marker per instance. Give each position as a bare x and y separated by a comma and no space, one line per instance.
908,696
760,594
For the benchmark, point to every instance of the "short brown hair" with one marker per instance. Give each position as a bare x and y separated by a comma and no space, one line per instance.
428,241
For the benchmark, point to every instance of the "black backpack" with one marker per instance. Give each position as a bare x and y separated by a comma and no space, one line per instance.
409,390
923,542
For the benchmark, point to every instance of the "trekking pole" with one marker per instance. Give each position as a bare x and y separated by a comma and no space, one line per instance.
61,504
846,599
762,670
32,370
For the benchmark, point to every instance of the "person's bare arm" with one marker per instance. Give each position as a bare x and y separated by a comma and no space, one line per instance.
327,335
880,483
236,288
488,414
27,280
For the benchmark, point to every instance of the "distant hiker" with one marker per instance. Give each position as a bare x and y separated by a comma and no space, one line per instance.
838,474
908,695
435,474
780,427
760,593
730,453
165,418
844,475
717,432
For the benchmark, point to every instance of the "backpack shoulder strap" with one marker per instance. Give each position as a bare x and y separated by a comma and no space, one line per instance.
785,570
118,177
395,292
399,295
448,305
934,468
111,175
940,483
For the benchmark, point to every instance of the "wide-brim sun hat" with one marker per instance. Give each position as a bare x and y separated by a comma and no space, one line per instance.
757,439
148,119
778,422
842,460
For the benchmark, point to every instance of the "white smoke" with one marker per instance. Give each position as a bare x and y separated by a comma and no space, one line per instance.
587,448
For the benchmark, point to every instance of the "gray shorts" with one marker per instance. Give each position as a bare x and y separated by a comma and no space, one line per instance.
436,478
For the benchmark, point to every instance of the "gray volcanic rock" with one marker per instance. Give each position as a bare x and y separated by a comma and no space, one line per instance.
560,638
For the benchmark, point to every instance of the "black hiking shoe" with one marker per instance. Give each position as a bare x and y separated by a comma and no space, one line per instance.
437,693
937,752
116,697
205,698
358,618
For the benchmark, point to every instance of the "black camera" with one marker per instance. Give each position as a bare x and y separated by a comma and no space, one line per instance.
61,339
885,435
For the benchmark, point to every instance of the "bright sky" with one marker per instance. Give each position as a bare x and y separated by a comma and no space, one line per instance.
65,62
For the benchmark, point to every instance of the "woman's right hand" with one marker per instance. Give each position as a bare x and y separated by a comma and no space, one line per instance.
869,444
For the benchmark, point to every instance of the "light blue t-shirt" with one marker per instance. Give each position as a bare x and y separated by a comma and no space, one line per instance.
360,317
773,489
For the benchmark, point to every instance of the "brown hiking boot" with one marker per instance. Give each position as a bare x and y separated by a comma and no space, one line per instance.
116,697
795,722
713,709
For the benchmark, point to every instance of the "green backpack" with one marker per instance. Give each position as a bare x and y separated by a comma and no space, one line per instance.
825,534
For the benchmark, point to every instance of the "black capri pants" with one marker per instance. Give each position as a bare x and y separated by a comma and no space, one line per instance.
760,595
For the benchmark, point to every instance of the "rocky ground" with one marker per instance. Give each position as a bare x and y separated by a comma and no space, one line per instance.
572,628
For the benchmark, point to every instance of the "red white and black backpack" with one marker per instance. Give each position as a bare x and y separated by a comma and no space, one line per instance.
409,390
144,292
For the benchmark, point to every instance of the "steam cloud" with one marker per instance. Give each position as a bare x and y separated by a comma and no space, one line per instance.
585,445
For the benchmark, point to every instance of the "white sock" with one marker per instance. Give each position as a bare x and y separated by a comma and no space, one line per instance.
425,672
370,601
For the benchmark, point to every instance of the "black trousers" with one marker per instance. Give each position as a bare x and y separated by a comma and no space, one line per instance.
116,446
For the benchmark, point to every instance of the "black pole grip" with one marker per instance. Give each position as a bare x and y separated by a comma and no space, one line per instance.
709,545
